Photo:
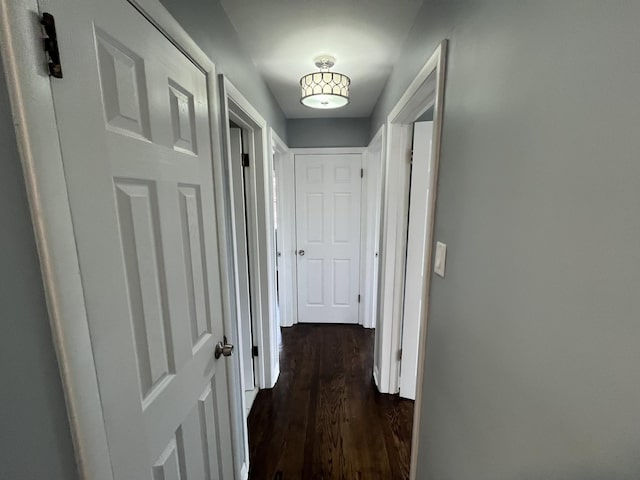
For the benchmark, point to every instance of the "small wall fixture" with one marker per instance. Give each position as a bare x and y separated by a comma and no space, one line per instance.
325,89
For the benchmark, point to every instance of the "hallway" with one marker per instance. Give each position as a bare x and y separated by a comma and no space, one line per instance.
324,418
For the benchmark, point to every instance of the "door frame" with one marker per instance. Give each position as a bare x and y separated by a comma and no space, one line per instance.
372,224
40,151
286,241
328,151
240,267
261,236
426,90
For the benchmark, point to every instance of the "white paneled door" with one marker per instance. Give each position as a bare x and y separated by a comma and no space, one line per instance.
328,237
134,127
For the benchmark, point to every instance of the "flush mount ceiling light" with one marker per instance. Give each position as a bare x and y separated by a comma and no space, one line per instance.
325,89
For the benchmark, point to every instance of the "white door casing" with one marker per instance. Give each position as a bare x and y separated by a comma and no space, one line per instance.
424,92
133,121
285,183
420,223
241,259
371,237
328,195
375,152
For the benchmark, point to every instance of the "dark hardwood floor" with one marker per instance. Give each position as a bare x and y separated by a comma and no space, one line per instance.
325,420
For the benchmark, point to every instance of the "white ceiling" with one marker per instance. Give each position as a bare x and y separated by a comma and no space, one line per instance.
284,36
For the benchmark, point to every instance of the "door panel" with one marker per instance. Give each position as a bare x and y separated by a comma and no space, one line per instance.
419,223
134,128
328,232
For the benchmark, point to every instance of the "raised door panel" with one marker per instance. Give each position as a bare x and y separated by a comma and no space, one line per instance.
342,231
314,281
314,215
194,262
139,231
124,88
192,452
341,278
182,118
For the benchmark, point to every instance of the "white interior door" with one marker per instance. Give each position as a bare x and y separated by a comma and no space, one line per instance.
328,237
241,257
134,127
419,222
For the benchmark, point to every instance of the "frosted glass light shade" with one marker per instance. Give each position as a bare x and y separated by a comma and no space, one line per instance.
325,90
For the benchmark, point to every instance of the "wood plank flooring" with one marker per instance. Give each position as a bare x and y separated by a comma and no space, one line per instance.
325,420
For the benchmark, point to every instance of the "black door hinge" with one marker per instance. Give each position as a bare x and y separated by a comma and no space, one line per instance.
254,351
51,45
245,159
359,298
362,173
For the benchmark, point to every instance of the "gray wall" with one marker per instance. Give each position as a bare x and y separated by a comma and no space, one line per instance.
533,356
427,116
35,440
208,24
328,132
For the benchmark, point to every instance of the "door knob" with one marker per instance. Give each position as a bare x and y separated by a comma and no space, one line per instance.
223,349
301,253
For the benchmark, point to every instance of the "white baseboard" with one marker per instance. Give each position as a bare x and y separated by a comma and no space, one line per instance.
249,398
275,374
376,377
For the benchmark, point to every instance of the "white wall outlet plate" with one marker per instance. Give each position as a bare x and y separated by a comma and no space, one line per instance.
441,259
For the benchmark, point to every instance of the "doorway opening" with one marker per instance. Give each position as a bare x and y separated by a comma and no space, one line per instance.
251,260
239,146
330,198
329,234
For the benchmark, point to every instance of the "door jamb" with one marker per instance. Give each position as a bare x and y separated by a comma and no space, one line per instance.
373,158
36,129
285,179
426,89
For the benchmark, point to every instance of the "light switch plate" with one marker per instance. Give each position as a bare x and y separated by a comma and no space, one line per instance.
441,259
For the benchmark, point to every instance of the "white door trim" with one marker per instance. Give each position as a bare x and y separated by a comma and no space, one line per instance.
37,136
378,140
285,178
260,224
427,89
372,163
327,151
